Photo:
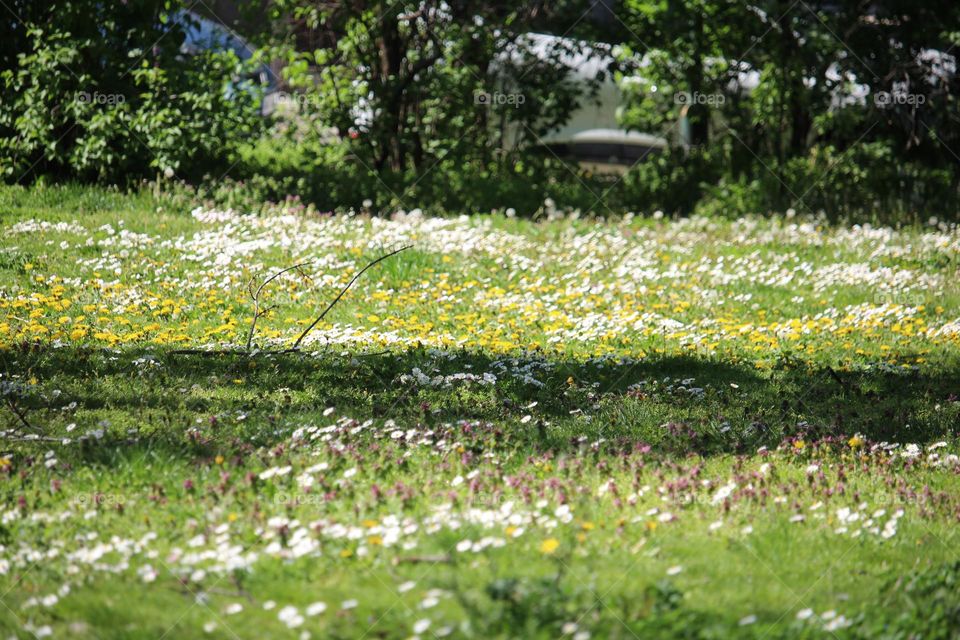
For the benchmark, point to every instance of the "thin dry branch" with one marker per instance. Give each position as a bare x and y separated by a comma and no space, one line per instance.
210,352
258,312
19,413
313,324
256,299
440,558
29,438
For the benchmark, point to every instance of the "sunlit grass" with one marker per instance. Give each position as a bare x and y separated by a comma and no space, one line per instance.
549,428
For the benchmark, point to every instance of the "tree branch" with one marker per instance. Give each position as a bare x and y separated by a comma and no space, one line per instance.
303,335
256,299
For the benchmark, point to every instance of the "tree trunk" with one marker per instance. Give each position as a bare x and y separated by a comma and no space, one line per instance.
391,61
698,113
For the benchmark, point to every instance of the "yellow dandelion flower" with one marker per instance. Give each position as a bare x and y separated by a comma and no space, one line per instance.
549,546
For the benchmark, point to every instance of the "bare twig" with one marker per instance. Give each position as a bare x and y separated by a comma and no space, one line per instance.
313,324
29,438
412,15
239,593
215,353
212,353
209,352
256,299
841,381
258,312
20,413
440,558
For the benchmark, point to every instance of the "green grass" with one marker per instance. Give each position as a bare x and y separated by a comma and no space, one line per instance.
637,376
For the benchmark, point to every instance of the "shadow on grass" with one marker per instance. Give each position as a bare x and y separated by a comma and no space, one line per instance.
677,405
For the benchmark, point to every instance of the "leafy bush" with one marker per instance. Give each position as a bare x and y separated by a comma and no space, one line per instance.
323,174
672,182
332,174
79,102
867,181
922,604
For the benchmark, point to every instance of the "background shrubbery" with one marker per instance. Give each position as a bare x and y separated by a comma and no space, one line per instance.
102,92
384,115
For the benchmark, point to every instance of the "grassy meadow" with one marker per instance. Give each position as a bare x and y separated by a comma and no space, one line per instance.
562,428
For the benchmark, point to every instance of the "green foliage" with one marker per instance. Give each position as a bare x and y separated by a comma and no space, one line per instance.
273,169
401,79
847,108
672,182
531,606
866,180
926,599
186,438
334,174
766,106
393,99
80,101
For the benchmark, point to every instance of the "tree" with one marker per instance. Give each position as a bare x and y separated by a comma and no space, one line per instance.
102,91
795,82
408,80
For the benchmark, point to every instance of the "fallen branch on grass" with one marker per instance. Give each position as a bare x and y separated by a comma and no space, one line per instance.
443,558
257,312
29,438
842,382
19,413
221,352
303,335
